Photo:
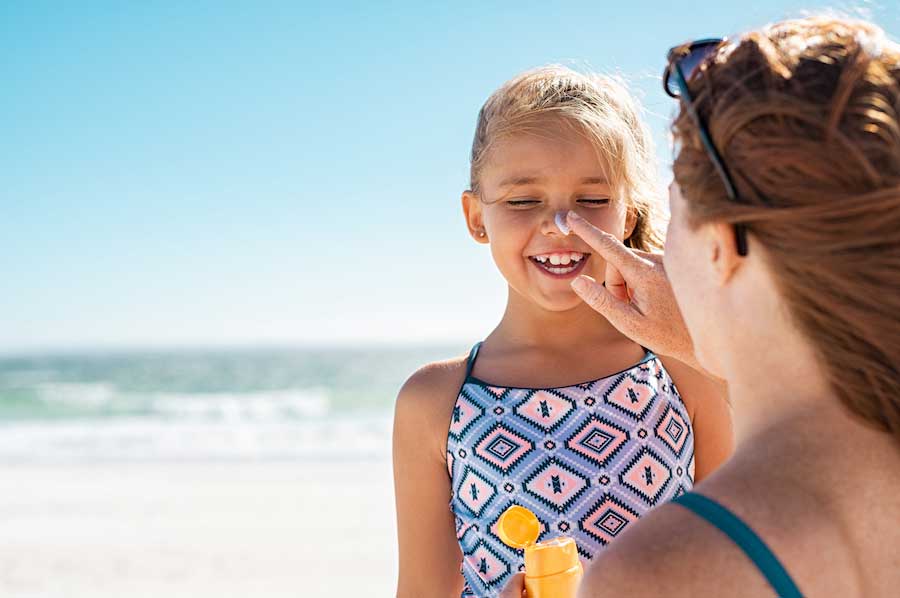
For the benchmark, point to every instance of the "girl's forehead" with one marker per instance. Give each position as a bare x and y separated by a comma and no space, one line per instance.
558,137
524,157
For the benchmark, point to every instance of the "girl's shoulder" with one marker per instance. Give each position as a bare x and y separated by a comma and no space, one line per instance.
693,387
428,396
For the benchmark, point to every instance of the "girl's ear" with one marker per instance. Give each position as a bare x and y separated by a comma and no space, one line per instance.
631,222
471,205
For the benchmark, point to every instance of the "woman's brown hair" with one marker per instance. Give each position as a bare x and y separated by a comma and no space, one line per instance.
806,116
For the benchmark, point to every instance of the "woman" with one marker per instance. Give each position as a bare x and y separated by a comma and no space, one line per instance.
784,254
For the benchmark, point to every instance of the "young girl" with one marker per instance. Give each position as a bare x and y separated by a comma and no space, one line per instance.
555,410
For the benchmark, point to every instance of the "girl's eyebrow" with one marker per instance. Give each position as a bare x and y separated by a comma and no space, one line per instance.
519,180
529,180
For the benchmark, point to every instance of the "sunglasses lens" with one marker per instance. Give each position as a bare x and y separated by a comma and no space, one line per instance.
690,64
671,83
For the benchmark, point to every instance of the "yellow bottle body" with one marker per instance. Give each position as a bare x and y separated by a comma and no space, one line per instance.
553,569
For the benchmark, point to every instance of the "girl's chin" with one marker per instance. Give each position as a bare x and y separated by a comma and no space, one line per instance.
560,302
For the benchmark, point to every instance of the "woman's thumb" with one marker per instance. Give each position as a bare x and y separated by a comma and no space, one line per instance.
515,588
621,314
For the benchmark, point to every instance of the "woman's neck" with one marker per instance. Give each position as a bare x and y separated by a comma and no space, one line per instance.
783,400
815,445
769,388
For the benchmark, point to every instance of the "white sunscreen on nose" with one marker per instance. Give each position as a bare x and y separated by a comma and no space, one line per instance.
561,223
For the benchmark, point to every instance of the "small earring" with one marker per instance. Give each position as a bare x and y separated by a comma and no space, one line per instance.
481,234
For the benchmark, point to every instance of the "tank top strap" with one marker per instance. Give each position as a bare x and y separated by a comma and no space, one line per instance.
745,538
473,355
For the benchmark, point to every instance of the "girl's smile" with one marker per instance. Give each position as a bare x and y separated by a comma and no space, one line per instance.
560,264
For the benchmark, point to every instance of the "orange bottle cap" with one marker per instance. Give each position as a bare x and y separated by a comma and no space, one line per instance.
518,527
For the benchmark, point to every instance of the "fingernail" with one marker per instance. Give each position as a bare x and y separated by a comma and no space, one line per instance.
573,217
580,284
561,223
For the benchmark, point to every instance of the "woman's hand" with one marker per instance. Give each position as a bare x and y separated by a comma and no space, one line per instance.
637,298
515,588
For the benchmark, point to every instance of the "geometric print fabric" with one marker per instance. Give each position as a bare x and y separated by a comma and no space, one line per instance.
587,459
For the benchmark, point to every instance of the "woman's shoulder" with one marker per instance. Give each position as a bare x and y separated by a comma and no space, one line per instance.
675,555
679,553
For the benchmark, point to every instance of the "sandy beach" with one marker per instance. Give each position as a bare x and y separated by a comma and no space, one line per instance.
226,529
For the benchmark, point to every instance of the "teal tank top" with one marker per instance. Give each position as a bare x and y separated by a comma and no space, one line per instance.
745,538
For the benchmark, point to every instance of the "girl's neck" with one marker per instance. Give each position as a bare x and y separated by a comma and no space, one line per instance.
525,324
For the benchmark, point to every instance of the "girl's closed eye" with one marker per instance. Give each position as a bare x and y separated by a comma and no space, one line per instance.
528,201
598,202
522,202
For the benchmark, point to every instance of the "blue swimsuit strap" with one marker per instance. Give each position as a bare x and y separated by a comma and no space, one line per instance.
746,539
473,355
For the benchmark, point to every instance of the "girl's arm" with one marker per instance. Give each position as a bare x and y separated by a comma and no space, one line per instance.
430,557
706,400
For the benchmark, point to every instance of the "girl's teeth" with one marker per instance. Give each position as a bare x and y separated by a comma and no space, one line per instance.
560,259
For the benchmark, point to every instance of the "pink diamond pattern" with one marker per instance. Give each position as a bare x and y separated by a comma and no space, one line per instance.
502,448
607,519
496,391
490,567
672,430
647,476
555,484
598,440
465,413
631,396
545,409
475,491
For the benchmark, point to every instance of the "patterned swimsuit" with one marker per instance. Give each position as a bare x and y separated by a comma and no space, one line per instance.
587,459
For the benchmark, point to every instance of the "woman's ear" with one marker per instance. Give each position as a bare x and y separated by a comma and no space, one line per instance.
723,253
472,209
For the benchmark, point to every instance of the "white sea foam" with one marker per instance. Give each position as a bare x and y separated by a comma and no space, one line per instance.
145,439
239,407
86,394
196,405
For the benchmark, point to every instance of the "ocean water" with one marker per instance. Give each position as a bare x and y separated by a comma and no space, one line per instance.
204,405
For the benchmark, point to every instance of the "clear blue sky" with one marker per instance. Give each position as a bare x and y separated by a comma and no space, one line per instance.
209,173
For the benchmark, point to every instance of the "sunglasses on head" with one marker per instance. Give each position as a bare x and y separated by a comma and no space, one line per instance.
685,63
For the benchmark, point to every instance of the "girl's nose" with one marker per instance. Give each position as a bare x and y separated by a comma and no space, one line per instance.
554,223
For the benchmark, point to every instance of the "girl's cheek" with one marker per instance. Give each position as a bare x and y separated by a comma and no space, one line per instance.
608,221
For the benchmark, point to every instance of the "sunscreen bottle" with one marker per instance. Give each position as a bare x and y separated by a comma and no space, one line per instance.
552,568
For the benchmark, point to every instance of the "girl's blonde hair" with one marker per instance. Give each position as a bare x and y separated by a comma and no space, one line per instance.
599,107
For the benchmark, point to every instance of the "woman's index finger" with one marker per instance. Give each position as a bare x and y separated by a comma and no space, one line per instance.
605,244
